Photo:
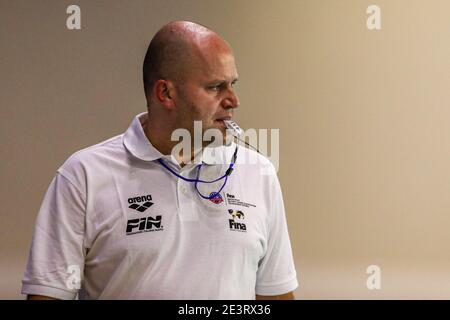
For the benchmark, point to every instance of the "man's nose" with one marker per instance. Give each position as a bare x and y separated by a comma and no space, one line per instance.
231,100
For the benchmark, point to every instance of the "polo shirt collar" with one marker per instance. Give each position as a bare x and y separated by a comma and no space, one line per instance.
138,144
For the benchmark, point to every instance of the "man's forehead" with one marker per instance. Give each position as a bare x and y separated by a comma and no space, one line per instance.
217,65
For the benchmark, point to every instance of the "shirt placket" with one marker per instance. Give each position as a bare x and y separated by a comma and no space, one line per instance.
187,208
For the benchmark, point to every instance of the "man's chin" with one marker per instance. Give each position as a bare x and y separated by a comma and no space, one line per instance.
217,137
224,141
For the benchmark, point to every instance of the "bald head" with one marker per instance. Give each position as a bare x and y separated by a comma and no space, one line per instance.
175,50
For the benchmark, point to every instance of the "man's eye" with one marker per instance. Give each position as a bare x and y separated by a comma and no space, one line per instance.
216,87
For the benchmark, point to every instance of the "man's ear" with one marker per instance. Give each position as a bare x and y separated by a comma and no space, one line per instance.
164,91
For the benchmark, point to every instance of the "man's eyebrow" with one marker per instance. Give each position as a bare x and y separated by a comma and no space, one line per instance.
223,80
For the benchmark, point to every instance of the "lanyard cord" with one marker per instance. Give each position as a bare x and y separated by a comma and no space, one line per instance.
187,179
213,194
197,180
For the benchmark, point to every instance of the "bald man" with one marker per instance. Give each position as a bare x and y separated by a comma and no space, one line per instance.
128,218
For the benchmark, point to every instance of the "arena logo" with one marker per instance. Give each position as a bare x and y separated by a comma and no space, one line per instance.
135,203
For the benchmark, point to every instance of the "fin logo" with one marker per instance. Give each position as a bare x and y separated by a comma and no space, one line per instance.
147,224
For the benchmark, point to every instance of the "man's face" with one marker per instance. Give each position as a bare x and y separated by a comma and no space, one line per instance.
207,92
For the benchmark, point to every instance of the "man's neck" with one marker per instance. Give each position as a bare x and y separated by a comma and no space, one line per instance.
161,141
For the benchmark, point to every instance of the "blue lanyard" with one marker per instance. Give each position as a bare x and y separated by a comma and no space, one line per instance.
197,180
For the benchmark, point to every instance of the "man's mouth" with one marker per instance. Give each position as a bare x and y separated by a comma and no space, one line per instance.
220,120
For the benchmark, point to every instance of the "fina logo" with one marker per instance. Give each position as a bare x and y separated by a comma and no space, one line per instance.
237,226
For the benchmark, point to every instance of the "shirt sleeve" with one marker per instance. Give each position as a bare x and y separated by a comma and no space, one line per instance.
56,257
276,271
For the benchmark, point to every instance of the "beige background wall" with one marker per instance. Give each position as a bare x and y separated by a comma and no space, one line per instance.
363,118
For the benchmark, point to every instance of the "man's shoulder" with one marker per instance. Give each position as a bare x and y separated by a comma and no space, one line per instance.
256,160
93,155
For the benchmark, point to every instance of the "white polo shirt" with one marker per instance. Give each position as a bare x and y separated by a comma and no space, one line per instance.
133,230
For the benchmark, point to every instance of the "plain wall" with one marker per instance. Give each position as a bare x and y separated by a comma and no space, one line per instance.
363,118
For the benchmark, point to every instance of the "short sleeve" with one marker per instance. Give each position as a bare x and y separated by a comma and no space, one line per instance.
276,271
56,258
